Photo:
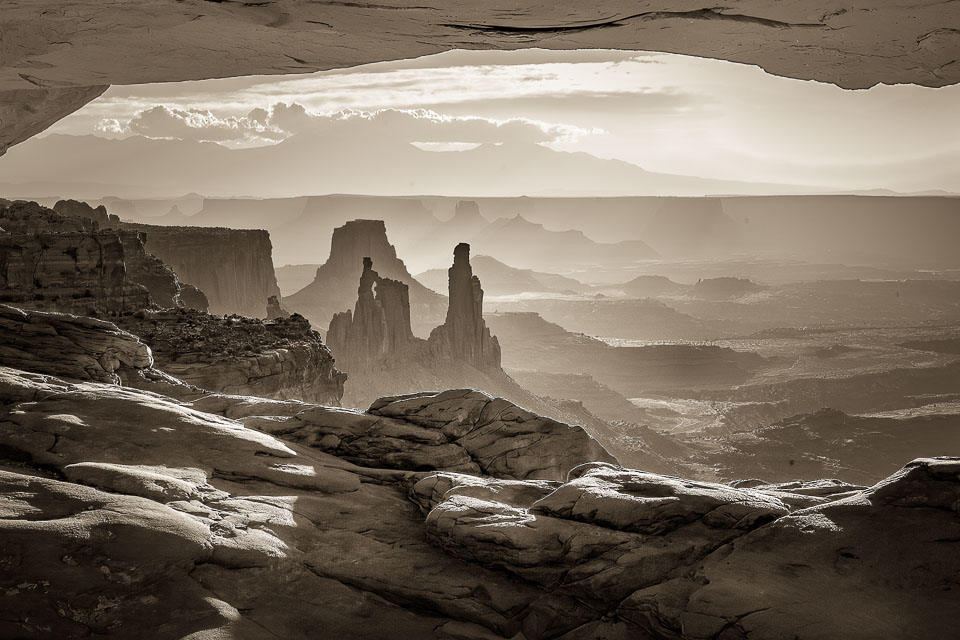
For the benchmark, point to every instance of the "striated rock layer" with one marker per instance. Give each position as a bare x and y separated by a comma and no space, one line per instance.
182,264
445,516
165,287
186,353
377,331
73,347
65,263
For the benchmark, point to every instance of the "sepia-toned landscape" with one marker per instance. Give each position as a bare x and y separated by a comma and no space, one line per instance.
471,321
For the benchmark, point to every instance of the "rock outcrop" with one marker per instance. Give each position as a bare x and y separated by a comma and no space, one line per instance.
67,262
377,331
130,514
77,348
281,359
233,267
334,287
464,335
55,262
78,209
454,430
165,287
376,346
180,352
275,310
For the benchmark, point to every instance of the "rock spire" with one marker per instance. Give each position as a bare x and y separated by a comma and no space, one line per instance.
464,335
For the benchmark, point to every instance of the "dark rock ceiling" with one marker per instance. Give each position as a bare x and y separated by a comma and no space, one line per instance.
57,55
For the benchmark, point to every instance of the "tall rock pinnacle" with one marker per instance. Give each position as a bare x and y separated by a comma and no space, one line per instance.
464,335
379,326
333,289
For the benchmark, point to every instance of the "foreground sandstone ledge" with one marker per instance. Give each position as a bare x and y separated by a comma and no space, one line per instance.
127,513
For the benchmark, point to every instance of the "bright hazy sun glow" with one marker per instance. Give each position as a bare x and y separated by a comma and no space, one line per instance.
666,113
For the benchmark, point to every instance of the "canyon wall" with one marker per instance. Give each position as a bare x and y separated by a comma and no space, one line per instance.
65,262
68,263
233,267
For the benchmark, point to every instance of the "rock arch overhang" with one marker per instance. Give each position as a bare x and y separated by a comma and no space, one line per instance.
57,55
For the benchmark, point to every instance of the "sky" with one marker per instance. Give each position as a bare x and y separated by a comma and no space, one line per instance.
663,112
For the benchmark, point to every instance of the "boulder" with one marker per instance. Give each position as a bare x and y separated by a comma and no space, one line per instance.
455,430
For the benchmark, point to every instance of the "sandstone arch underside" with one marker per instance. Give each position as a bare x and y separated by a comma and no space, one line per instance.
57,55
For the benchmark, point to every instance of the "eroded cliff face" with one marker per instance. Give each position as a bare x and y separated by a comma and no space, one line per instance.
79,209
281,358
434,515
165,287
65,260
233,267
51,261
334,287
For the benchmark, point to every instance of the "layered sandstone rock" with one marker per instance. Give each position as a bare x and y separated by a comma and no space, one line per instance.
377,348
185,353
55,262
455,430
65,261
233,267
334,287
68,346
282,358
126,513
165,287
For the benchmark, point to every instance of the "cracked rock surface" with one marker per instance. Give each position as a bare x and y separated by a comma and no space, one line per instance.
128,513
282,358
56,56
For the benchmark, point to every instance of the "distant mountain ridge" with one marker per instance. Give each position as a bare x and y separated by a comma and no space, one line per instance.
309,164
